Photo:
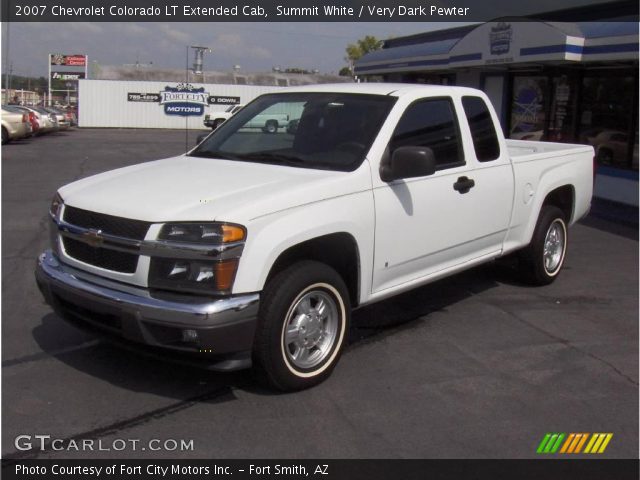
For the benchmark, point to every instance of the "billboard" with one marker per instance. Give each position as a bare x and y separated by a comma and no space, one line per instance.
67,75
68,60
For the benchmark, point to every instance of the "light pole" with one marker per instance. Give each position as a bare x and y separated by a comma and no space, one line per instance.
198,60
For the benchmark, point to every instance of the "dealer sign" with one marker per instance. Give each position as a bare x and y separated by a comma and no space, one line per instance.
184,100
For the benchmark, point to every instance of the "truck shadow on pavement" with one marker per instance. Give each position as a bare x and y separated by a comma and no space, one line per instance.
164,376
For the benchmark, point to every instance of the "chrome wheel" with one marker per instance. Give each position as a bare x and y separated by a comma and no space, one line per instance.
311,329
554,246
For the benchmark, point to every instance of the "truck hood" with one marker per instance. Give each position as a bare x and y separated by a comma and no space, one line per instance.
203,189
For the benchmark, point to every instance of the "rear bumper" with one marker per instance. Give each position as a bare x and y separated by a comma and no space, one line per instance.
216,332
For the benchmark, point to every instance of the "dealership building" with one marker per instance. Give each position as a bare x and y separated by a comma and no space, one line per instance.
548,80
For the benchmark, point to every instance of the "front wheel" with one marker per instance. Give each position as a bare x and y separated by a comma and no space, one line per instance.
542,260
304,320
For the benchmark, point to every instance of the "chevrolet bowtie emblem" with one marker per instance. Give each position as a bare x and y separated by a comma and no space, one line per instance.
93,238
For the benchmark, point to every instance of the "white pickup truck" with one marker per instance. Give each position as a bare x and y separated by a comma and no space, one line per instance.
268,121
253,248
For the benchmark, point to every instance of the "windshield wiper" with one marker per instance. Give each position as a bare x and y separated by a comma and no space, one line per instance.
273,158
212,154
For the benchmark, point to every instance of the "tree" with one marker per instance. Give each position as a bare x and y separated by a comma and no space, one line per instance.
363,46
345,72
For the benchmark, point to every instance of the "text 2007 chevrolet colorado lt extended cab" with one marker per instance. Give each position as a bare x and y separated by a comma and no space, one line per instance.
253,248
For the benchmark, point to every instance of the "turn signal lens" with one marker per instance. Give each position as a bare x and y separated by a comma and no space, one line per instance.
232,233
225,273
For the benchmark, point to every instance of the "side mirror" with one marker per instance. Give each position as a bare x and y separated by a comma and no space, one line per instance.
408,162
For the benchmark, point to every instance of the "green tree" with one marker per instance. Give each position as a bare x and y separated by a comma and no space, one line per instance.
363,46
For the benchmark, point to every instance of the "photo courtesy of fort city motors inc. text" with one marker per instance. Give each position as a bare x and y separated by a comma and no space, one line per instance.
345,240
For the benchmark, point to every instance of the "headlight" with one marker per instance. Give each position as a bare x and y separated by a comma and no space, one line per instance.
197,276
211,233
56,206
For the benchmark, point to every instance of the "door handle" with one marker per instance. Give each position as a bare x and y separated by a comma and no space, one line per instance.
464,184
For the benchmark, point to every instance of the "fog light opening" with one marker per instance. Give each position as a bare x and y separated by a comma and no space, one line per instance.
190,336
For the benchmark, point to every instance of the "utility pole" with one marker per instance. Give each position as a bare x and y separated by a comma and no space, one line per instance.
6,61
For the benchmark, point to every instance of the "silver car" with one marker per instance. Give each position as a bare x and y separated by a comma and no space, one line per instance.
15,124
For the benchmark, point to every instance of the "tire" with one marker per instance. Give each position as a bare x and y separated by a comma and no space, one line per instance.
271,126
298,342
216,123
541,262
5,136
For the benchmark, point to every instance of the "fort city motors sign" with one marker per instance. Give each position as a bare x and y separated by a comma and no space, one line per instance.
184,99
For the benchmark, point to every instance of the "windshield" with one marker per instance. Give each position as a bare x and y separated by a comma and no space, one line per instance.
330,131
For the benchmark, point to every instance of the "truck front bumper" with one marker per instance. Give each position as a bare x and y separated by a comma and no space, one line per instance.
215,332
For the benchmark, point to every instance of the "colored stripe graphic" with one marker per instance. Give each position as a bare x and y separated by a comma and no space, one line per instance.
581,442
598,442
568,442
543,443
551,443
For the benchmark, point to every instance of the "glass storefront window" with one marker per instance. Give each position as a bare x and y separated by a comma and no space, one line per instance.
527,108
562,110
606,118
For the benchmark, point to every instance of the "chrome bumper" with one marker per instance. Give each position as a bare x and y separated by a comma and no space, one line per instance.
222,327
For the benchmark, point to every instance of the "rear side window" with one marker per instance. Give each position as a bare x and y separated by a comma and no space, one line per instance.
483,132
431,123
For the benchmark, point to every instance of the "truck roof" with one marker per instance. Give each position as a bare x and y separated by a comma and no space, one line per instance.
394,89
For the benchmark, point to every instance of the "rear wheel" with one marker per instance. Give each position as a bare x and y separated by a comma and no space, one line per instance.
5,136
304,319
542,260
271,126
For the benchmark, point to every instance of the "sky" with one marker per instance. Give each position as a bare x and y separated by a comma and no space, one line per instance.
254,46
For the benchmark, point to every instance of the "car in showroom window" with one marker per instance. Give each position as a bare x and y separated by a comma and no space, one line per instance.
333,131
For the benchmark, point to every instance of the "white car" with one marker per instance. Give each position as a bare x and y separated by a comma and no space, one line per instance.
252,248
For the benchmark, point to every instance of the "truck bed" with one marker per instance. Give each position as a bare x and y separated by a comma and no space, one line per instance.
525,150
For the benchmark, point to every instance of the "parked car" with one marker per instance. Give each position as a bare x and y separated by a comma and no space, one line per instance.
252,249
611,146
15,124
215,119
62,121
268,122
47,121
34,117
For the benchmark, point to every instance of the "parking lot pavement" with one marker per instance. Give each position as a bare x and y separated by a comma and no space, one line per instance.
476,365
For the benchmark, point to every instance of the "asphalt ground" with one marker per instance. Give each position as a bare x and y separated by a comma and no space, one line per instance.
474,366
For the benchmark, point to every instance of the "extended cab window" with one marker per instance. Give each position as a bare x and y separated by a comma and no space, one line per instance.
483,132
431,123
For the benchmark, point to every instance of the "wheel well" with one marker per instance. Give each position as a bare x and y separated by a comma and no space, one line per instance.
563,198
338,250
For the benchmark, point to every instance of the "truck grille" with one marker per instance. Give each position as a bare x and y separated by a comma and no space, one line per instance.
122,227
101,257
